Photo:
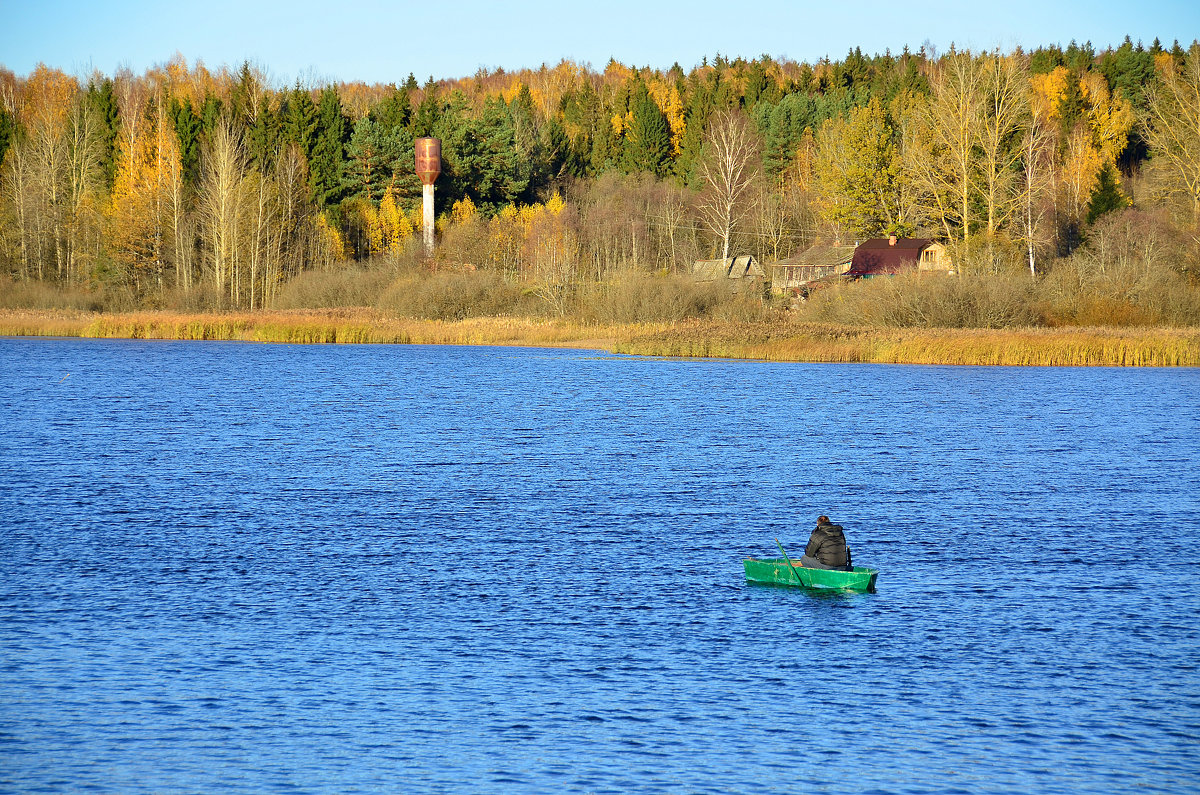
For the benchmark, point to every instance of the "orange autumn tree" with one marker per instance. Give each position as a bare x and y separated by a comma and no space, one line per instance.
149,174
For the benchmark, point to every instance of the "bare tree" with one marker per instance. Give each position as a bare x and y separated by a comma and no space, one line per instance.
727,169
1005,113
1172,129
221,205
83,159
1036,183
941,155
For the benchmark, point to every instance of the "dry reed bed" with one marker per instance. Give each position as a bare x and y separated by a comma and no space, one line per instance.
827,343
306,326
806,342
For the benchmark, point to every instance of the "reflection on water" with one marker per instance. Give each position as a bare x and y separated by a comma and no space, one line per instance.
366,568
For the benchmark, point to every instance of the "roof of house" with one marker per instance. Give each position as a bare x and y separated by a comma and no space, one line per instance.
878,255
822,256
741,267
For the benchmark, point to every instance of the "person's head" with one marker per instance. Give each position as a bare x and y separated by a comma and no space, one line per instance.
822,519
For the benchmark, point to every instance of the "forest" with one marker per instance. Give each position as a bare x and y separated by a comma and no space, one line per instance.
1065,182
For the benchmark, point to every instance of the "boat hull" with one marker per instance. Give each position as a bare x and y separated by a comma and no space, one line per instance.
774,571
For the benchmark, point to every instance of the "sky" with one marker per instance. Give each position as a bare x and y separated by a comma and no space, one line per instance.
382,42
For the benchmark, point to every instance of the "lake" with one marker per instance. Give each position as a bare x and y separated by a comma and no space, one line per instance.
260,568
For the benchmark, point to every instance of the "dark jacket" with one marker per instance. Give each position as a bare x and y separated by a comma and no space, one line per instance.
828,545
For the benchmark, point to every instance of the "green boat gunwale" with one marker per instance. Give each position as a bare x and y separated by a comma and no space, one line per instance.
774,571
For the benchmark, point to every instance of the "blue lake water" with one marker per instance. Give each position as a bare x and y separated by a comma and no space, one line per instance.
249,568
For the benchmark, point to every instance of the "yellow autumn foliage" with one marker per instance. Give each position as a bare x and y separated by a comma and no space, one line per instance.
666,96
463,212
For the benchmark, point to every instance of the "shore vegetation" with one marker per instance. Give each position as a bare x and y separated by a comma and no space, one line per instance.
573,203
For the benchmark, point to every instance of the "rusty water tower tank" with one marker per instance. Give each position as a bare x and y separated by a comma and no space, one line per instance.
429,159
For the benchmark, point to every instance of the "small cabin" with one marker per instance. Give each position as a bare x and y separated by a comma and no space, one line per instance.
738,269
818,262
888,256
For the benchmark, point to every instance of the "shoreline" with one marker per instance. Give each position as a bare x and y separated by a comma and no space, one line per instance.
762,341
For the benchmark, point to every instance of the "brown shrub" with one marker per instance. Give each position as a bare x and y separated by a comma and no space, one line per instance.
42,295
449,295
332,289
1132,271
926,301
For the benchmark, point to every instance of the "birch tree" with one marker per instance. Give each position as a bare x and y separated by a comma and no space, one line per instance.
221,206
1036,184
941,156
1003,118
727,170
1172,129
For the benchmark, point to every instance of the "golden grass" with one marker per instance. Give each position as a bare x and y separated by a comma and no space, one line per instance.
811,342
771,341
307,326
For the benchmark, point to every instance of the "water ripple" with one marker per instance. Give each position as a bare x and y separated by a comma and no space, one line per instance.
238,568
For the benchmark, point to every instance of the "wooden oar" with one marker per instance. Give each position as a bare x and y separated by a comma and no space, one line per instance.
791,567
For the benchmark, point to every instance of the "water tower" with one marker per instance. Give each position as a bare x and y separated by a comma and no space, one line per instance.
429,165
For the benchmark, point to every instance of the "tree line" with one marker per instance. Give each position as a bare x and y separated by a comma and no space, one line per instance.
192,187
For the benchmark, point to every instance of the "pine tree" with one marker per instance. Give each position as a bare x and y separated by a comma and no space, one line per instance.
483,157
373,158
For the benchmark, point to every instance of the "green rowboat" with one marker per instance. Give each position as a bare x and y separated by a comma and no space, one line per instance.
774,571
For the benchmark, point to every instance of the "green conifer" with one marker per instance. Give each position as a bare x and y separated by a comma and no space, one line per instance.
1106,196
325,166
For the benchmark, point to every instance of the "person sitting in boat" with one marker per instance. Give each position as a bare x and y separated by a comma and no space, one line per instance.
827,547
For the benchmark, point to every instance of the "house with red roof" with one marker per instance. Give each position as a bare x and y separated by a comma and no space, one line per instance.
888,256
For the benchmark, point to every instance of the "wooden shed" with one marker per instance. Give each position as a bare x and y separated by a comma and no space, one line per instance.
743,268
818,262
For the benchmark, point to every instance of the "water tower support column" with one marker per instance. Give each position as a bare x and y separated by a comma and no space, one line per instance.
429,165
427,218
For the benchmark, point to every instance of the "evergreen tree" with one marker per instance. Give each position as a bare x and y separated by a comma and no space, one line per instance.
1044,60
103,102
700,104
556,147
481,155
428,112
394,111
187,131
1071,108
757,83
582,109
853,72
262,137
210,114
782,128
648,139
527,141
325,166
241,96
1106,196
374,157
1128,70
300,120
7,130
1079,59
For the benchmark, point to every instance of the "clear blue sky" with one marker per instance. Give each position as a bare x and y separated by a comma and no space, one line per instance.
383,41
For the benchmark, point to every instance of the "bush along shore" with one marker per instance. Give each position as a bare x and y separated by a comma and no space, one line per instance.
769,340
